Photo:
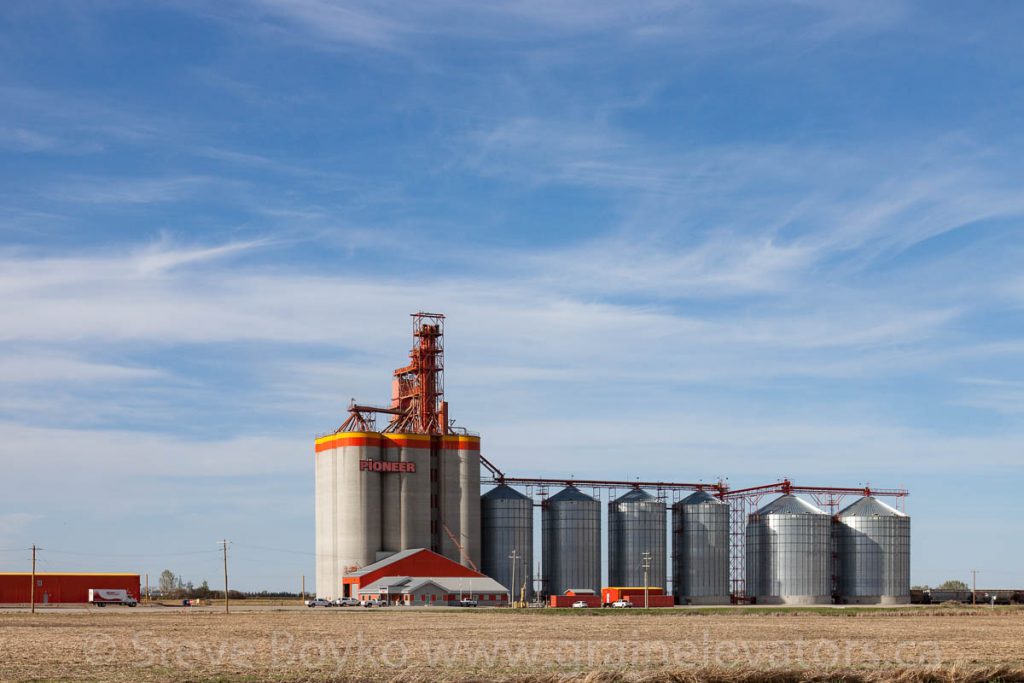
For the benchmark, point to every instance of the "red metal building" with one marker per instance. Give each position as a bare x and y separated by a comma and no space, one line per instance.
635,596
575,595
60,587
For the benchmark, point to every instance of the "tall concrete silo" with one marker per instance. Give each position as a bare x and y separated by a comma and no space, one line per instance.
449,500
507,529
458,494
700,550
468,449
390,497
873,549
571,541
636,527
788,553
414,489
348,506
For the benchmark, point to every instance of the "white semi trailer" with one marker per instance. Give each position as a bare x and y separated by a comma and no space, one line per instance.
111,596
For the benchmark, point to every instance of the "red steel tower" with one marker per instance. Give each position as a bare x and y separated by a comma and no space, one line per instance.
417,390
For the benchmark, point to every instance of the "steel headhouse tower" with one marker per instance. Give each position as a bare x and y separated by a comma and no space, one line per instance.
413,484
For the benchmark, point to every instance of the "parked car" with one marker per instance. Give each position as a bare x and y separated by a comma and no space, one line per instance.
580,603
346,602
622,603
318,602
374,602
467,602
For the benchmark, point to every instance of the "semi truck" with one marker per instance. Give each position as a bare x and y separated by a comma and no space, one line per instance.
101,597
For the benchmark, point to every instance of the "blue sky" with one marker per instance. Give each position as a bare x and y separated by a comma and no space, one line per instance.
674,240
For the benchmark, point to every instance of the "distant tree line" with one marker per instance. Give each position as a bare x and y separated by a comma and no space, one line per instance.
174,587
950,585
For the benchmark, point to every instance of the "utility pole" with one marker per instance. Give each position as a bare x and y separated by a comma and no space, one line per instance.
647,567
974,587
512,588
147,588
303,588
523,586
226,607
32,590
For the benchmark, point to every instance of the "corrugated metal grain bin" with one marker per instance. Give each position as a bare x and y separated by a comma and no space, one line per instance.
873,548
507,527
789,553
636,525
700,550
571,542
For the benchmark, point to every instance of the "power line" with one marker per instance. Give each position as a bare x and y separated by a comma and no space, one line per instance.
275,550
131,555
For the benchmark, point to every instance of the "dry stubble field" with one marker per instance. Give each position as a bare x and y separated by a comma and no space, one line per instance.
945,644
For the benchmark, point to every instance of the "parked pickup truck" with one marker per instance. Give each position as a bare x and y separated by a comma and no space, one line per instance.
101,597
346,602
319,602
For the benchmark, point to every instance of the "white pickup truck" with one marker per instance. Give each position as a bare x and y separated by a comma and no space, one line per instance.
102,597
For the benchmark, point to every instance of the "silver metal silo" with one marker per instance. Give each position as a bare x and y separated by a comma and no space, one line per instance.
507,528
571,541
789,553
700,550
873,547
636,525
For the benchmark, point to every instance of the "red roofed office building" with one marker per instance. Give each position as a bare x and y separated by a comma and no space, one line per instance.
422,577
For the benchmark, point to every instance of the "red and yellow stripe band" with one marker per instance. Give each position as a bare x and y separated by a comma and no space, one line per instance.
448,442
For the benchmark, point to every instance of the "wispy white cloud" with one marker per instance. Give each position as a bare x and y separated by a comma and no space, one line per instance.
149,295
660,268
128,190
540,151
1002,396
759,448
165,254
691,25
744,218
38,368
81,121
24,140
30,141
137,455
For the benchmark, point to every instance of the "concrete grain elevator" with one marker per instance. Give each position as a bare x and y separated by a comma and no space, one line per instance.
415,483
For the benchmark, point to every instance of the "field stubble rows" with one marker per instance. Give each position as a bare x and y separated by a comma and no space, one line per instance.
424,645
